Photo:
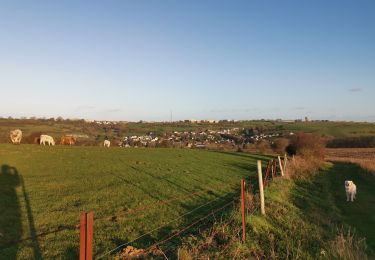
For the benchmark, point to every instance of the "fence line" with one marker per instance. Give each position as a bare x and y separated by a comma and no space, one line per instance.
159,227
189,226
271,167
152,205
170,249
77,226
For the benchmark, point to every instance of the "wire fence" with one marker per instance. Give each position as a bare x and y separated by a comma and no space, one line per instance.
160,227
191,225
118,214
271,172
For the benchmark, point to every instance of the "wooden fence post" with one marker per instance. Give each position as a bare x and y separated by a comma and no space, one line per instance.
261,192
86,236
243,211
281,166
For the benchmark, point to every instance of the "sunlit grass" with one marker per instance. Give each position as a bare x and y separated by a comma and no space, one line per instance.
55,184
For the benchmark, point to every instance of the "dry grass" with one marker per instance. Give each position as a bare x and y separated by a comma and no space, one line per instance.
347,245
300,167
364,157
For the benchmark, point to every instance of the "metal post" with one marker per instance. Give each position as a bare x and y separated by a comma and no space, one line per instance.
82,236
86,236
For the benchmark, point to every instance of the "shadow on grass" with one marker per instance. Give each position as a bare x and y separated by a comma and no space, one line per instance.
10,214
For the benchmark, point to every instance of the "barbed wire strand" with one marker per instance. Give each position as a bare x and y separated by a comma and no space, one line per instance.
178,233
227,246
227,223
159,227
59,229
189,226
156,204
160,202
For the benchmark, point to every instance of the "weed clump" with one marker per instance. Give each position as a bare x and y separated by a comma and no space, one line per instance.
347,245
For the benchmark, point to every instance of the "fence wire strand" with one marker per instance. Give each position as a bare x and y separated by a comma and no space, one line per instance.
159,227
61,228
188,226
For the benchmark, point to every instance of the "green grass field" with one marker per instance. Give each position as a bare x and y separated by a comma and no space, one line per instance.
46,187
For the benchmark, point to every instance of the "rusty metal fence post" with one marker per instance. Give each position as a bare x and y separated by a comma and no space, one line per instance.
86,236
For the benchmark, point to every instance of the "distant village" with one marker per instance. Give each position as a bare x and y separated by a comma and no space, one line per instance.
190,133
201,139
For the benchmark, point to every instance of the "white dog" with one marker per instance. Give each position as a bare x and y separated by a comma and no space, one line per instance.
351,190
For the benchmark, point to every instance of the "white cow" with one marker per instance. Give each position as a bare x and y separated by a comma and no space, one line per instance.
107,143
48,139
16,136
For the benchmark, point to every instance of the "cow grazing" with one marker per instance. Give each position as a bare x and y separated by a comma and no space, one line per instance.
47,139
107,143
16,136
68,140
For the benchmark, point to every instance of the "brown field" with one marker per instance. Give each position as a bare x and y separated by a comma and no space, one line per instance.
364,157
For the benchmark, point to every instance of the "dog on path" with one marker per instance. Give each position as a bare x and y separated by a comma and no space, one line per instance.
351,190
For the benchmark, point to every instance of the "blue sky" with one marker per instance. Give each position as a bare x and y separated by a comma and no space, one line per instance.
133,60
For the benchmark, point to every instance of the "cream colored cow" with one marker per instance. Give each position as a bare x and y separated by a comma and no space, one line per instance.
47,139
107,143
16,136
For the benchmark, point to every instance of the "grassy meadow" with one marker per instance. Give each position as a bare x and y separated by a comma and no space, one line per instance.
44,188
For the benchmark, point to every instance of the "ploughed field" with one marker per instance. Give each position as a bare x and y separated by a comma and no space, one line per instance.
364,157
44,189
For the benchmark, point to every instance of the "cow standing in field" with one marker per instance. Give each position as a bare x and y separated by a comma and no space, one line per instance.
68,140
47,139
107,143
16,136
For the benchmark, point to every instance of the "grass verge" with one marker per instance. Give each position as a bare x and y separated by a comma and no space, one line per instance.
305,219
